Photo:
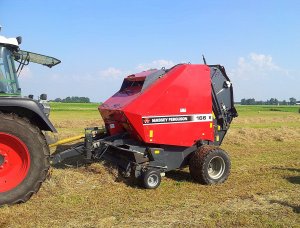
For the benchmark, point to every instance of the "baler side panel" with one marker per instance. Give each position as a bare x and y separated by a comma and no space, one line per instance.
185,92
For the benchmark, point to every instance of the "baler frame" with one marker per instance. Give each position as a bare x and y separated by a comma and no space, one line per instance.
139,159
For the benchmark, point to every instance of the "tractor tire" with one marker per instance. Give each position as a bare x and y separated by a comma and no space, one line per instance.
150,179
24,159
209,165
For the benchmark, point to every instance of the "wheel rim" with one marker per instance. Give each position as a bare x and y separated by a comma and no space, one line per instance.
14,161
216,167
152,180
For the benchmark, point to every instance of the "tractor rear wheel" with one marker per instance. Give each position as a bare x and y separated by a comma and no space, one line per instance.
210,165
24,159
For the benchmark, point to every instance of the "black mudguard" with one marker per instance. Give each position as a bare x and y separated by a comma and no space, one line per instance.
25,107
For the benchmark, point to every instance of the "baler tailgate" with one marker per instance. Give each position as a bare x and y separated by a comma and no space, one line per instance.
222,99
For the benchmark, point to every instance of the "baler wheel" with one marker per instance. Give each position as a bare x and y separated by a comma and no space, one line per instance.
151,179
24,158
209,165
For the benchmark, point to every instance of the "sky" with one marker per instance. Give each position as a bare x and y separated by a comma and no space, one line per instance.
101,42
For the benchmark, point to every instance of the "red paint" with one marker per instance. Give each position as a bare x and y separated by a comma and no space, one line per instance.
114,127
186,86
16,162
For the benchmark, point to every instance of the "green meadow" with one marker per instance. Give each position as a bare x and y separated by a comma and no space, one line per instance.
263,188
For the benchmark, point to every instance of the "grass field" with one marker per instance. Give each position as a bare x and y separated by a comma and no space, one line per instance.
263,189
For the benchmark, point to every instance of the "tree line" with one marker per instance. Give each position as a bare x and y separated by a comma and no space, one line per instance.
73,100
272,101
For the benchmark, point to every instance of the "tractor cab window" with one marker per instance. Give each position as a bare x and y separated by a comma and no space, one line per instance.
8,77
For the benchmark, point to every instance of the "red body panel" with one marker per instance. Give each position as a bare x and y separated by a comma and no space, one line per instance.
174,110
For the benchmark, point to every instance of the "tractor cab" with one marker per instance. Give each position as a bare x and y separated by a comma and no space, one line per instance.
11,53
9,85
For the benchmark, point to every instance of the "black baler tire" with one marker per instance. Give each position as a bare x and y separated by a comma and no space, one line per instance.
145,178
200,160
39,155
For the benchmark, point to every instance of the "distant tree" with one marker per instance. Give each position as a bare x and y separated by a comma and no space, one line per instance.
76,100
243,101
67,100
293,101
57,100
272,101
251,101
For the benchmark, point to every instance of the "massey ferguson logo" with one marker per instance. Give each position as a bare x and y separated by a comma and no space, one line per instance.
146,121
176,119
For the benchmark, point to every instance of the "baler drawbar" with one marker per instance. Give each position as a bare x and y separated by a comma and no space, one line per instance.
161,120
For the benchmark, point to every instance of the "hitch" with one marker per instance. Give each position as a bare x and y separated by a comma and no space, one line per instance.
84,149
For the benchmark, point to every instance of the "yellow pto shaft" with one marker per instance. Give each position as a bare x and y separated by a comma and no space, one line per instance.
67,140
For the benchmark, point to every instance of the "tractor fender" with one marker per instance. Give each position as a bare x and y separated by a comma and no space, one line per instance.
28,108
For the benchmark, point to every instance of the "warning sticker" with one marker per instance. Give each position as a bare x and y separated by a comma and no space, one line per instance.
177,119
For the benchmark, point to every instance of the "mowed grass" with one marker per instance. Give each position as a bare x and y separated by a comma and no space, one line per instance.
71,119
263,189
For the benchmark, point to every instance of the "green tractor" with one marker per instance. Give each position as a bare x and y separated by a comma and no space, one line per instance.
24,123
